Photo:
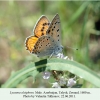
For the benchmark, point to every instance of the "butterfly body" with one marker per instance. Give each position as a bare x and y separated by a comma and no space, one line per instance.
46,39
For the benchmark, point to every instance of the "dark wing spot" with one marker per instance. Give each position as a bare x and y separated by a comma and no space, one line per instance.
48,31
44,24
42,27
47,39
58,39
54,27
57,35
57,30
55,22
36,36
36,47
42,33
58,48
53,41
47,23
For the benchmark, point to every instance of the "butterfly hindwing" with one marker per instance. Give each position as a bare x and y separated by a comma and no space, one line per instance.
30,42
48,43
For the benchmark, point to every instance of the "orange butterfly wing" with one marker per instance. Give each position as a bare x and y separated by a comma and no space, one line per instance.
30,42
41,26
40,29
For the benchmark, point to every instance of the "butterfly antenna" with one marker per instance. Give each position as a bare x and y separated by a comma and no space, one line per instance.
72,48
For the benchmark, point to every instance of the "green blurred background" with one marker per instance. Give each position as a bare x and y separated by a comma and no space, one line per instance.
80,26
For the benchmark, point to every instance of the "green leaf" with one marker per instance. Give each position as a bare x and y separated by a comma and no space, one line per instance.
77,14
53,64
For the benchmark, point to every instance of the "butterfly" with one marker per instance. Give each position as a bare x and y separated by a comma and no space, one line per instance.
46,38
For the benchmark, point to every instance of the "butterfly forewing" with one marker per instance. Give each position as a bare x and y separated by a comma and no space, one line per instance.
41,26
55,29
39,30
